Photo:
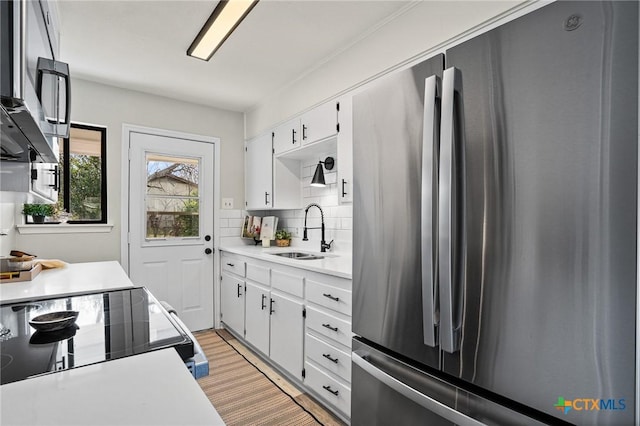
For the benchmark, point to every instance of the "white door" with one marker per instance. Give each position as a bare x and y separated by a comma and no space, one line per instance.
171,198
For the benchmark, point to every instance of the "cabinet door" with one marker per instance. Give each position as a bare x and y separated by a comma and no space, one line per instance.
286,334
259,173
319,123
257,317
345,151
286,136
232,303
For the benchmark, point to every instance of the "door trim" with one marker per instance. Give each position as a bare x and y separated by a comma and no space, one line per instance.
127,129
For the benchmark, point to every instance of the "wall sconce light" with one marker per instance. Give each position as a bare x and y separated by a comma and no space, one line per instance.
223,20
318,176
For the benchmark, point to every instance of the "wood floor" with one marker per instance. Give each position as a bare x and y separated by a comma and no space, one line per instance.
308,403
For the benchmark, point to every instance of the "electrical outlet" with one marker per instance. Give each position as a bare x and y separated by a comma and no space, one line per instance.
227,203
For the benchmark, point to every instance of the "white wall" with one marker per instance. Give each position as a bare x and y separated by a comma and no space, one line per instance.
109,106
419,30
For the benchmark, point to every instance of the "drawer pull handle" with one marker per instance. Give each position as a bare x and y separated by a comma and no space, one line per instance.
231,264
239,294
331,297
271,310
329,327
263,300
328,389
328,356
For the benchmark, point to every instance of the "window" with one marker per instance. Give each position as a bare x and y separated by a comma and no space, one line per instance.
83,164
172,200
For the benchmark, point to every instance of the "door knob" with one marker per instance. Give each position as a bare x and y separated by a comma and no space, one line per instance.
208,251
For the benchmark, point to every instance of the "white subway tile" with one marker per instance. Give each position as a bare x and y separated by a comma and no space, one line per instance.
230,232
230,213
224,223
237,223
346,223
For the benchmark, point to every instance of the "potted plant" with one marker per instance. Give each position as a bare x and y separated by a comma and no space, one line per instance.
38,211
283,238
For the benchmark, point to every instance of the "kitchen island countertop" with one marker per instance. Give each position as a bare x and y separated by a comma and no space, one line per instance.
338,264
74,278
154,388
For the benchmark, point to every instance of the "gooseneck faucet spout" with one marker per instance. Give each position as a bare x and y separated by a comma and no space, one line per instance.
323,244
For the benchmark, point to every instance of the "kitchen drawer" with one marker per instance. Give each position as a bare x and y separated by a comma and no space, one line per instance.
232,264
292,284
328,356
330,297
330,326
258,274
328,388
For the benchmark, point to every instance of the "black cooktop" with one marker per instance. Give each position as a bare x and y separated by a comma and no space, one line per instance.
110,325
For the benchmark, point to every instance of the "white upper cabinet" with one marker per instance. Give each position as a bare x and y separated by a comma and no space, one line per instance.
259,172
345,151
319,123
287,136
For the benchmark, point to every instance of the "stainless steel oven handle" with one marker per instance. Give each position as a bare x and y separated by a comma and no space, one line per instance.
419,398
428,233
23,50
449,337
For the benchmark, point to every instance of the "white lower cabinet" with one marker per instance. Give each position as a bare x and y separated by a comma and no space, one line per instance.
331,390
287,331
232,302
298,319
257,317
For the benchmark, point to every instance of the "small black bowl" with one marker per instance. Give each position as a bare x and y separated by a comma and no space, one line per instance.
45,337
54,320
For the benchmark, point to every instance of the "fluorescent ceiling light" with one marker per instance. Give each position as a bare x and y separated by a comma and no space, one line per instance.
225,18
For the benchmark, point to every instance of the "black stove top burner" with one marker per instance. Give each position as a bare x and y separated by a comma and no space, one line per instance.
111,325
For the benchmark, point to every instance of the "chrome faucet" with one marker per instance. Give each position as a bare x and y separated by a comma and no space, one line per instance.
324,246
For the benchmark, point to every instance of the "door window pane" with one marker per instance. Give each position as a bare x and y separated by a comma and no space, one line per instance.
172,201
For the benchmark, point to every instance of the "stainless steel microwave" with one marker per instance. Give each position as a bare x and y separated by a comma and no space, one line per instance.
35,92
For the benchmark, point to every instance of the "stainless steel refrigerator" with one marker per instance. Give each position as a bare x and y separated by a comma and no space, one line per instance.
495,222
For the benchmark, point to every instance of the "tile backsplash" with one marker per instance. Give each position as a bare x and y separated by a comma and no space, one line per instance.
338,219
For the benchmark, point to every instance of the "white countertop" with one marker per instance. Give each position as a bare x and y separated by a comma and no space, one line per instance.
338,264
74,278
154,388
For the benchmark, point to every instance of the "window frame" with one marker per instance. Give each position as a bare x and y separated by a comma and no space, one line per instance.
65,164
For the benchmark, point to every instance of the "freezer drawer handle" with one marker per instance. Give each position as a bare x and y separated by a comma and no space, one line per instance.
329,327
410,393
328,389
331,297
328,356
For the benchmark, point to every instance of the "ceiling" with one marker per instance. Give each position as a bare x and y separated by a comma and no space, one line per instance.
141,45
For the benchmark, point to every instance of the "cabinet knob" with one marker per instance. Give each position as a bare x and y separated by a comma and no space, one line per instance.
208,251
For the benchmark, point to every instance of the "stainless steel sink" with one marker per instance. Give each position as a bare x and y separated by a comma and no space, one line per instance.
298,255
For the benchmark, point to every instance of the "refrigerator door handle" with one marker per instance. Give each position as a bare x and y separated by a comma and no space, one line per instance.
447,209
429,212
410,393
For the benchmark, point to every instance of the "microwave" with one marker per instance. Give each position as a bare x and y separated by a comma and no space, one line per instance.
35,92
